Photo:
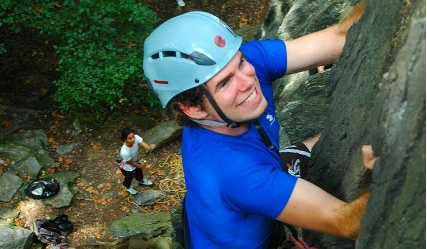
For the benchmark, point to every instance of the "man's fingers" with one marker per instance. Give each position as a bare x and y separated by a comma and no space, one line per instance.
296,243
368,156
304,244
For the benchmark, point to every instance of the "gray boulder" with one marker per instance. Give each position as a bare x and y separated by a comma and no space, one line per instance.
67,177
15,238
9,185
154,243
7,216
44,159
29,166
67,148
19,118
64,196
141,121
17,153
163,133
66,192
14,152
35,139
145,226
149,197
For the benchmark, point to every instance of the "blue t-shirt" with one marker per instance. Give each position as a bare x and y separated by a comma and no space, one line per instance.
235,185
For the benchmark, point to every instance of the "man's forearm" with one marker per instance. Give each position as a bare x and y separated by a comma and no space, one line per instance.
147,147
352,17
138,165
349,216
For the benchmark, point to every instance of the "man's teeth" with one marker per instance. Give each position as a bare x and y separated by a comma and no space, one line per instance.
250,97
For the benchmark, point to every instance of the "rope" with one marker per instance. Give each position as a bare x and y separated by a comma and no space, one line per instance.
173,187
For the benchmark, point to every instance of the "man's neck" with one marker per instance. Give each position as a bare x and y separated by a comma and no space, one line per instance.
227,130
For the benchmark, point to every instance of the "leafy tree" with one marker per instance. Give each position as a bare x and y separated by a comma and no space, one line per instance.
99,47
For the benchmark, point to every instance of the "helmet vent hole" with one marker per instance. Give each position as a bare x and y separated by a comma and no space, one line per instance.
155,56
185,56
169,54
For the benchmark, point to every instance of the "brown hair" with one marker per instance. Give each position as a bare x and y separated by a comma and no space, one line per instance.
190,97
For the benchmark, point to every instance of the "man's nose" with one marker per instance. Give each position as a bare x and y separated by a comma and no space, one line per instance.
244,81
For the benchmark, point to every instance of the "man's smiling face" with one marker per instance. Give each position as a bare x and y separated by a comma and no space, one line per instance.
237,91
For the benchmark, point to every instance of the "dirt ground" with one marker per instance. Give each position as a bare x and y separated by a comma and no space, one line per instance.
101,198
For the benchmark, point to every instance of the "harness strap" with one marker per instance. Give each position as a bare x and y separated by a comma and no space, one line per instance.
265,137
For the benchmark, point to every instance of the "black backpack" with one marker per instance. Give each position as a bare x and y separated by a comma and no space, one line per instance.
53,231
42,188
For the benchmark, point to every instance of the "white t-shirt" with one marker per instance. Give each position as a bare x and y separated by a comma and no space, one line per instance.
128,153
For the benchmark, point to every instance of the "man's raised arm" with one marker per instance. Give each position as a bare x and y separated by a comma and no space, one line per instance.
323,47
312,208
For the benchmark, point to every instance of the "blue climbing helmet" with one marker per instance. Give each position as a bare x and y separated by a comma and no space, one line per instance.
186,51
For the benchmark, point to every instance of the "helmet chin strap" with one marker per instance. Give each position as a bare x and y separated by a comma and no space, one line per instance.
227,122
209,122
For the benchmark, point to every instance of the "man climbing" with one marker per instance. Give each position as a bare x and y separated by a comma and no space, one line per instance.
236,186
129,163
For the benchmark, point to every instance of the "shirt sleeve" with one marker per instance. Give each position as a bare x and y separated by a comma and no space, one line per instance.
138,139
269,57
261,189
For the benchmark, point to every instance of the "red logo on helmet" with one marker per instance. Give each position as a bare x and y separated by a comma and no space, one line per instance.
219,41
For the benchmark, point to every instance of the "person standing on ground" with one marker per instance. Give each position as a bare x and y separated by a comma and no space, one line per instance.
130,164
180,3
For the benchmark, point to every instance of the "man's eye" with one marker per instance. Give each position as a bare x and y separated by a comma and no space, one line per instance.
223,83
242,61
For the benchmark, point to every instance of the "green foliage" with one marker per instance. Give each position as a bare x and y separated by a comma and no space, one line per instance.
12,223
2,48
99,49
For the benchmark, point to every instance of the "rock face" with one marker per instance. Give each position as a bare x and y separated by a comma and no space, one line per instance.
398,203
303,107
376,92
289,20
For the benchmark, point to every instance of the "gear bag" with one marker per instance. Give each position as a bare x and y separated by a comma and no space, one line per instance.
42,188
53,231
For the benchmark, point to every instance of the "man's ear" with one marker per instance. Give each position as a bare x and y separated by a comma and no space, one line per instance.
195,112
